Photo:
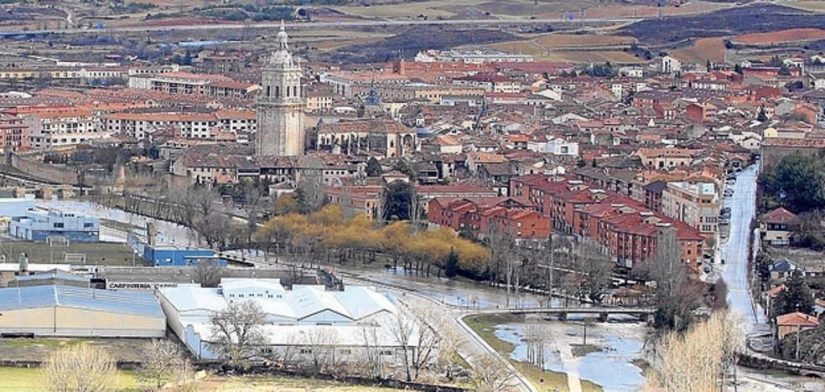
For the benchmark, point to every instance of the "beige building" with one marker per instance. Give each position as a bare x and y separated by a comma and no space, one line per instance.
55,310
63,128
281,105
696,204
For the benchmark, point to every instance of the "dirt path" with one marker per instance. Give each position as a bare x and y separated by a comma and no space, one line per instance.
568,360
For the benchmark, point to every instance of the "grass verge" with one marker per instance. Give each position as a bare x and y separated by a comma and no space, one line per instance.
31,379
542,380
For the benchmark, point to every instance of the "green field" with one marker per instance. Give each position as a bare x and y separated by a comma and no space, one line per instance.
96,254
543,380
30,379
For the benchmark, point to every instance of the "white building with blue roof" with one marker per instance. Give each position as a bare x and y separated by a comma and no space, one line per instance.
351,321
67,311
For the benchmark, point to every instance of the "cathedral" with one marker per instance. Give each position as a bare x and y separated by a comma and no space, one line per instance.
281,105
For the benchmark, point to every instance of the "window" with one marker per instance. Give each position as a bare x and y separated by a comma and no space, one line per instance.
305,351
386,352
88,224
345,351
58,225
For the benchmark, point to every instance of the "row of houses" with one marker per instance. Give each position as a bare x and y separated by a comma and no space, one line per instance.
541,204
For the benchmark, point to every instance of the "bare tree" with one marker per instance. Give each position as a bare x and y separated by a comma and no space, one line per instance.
491,375
447,357
208,273
372,360
596,267
676,295
217,230
237,332
163,361
699,359
310,192
535,334
413,330
320,343
502,243
79,368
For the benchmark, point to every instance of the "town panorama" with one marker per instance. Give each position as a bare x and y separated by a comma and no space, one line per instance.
431,195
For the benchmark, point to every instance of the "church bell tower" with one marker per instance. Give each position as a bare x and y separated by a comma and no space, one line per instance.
281,104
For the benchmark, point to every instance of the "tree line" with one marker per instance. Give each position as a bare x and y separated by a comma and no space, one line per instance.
329,234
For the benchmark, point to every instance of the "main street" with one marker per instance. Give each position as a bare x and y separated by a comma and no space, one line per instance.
735,251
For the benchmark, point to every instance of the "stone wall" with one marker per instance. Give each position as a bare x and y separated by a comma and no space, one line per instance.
34,167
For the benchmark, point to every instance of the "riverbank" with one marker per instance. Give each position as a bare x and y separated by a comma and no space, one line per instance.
490,328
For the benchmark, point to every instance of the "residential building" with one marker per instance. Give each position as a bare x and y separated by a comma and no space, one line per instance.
15,134
696,204
795,322
62,127
778,226
479,217
184,83
669,65
190,125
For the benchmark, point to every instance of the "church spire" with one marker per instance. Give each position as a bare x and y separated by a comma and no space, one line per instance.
282,38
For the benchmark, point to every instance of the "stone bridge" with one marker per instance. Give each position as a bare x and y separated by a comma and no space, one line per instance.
759,361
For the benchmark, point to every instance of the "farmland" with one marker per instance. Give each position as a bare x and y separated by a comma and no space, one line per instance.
701,50
779,37
743,20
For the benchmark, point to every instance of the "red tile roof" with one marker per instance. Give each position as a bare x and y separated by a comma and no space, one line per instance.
797,319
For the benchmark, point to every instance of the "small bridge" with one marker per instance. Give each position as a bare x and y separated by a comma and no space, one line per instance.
760,361
602,312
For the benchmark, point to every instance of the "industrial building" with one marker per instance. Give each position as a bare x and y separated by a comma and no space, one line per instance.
351,321
40,224
170,255
66,311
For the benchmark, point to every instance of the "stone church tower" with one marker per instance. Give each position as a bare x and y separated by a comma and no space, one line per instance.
280,105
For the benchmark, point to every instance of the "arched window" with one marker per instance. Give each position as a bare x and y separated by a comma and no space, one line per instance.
286,92
294,91
277,92
267,91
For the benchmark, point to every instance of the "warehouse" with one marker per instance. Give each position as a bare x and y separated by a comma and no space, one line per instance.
351,321
54,310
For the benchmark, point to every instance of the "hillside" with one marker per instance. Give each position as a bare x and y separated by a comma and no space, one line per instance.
758,18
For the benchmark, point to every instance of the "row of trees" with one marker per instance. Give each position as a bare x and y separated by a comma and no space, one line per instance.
700,359
430,341
330,235
87,368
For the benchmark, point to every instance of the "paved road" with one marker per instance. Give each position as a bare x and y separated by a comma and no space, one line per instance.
735,250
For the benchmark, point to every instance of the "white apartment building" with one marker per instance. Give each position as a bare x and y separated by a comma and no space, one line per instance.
188,125
556,146
696,204
62,128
